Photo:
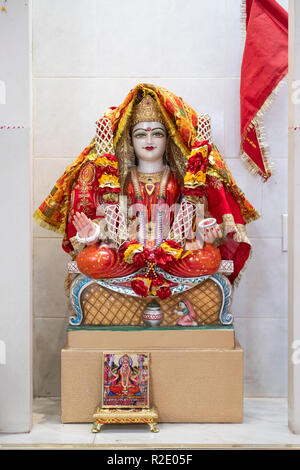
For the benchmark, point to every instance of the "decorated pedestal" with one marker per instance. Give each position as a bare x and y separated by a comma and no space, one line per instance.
196,373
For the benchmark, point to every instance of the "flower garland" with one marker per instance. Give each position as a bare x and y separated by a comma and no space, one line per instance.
195,177
151,283
108,170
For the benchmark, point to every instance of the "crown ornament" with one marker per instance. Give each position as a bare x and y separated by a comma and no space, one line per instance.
147,110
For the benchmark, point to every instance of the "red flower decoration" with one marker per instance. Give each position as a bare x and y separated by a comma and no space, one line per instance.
140,287
161,257
147,255
158,281
109,170
110,157
163,292
109,190
197,163
139,259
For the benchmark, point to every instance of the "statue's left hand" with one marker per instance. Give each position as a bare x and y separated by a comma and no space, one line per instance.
209,230
212,233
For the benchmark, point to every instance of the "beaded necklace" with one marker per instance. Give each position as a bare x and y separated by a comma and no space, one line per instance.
141,214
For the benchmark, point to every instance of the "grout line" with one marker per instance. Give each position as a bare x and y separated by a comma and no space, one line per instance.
265,238
52,318
55,237
137,77
56,157
237,157
256,315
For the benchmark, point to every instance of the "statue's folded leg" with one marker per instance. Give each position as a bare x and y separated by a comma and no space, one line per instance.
102,262
106,303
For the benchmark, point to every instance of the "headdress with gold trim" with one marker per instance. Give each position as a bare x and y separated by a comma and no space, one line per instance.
147,110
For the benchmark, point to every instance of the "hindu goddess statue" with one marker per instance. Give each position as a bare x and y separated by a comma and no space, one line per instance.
128,207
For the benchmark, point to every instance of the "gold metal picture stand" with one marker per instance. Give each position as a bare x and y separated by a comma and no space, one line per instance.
125,416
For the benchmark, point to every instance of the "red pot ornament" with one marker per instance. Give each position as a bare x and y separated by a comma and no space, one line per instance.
197,262
102,262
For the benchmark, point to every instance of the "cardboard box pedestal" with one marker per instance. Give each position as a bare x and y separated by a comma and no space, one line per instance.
187,384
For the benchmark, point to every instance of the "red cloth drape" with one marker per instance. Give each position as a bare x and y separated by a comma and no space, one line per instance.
264,64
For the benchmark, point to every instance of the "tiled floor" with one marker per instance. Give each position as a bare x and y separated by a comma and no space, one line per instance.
265,424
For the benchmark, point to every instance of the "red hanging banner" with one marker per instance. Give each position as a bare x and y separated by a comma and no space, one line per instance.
264,65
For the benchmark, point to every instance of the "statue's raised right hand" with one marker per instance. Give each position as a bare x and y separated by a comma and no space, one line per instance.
85,227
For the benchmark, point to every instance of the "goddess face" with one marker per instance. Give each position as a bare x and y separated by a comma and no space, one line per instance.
125,364
149,140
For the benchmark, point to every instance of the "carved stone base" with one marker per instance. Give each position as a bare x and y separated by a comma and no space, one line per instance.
123,416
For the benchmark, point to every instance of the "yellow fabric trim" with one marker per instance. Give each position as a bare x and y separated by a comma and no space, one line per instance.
103,161
42,222
109,180
192,180
173,251
186,253
131,251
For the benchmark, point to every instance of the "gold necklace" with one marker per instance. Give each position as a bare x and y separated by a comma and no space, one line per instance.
127,379
150,177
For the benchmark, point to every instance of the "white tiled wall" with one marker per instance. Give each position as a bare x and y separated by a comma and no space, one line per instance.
294,222
86,57
15,233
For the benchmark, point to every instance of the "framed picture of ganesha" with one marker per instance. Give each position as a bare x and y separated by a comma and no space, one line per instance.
125,380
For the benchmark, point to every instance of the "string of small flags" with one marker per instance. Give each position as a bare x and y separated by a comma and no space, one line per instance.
12,127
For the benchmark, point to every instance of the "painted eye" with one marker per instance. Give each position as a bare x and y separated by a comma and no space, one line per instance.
140,135
158,134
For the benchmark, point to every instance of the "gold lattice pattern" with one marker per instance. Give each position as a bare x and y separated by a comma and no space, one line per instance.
102,306
203,128
104,136
181,228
